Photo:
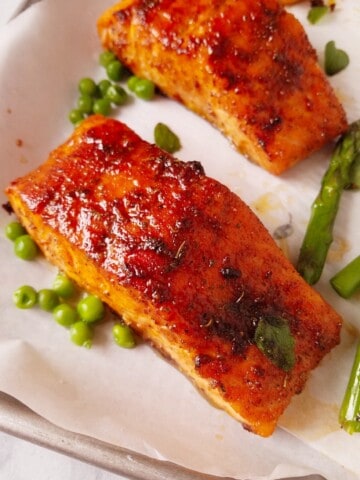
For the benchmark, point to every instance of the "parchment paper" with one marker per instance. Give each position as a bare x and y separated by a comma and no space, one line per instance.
135,398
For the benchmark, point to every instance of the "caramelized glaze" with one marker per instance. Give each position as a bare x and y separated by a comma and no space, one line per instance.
182,258
246,66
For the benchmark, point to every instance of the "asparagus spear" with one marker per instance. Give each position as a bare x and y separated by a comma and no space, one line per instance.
349,416
355,173
318,236
347,280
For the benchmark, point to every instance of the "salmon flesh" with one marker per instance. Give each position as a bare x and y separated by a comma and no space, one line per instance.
246,66
182,259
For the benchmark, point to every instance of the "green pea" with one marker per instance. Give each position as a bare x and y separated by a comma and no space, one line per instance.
81,334
123,336
87,86
103,86
76,116
65,315
85,104
63,286
116,94
13,230
91,309
25,297
48,299
25,247
106,57
131,83
102,106
166,138
144,89
115,70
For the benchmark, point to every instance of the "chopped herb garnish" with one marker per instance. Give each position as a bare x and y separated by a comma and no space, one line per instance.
166,139
317,13
273,337
335,59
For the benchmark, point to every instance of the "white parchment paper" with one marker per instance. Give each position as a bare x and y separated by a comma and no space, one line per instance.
134,398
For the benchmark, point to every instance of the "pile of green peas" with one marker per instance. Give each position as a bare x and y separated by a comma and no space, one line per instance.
102,96
79,316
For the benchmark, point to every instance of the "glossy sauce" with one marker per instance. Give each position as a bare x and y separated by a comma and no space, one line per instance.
185,254
132,209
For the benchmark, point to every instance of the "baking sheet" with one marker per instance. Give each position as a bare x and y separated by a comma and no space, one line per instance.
18,420
135,399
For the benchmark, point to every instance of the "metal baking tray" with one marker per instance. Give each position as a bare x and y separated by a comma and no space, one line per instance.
19,421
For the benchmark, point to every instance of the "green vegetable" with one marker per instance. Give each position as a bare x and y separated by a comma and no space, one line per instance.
87,86
91,309
76,116
48,299
355,174
14,230
143,88
25,247
103,86
166,138
102,106
274,339
318,236
81,334
349,415
106,57
25,297
316,13
63,286
85,104
335,59
65,315
347,281
116,94
123,336
132,81
115,70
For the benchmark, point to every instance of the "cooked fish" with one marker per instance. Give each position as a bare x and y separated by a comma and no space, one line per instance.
290,2
182,259
246,66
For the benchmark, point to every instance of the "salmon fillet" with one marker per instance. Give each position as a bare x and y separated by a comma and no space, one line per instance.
245,66
289,2
182,259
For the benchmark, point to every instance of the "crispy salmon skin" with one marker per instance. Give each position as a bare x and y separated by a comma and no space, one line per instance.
182,259
246,66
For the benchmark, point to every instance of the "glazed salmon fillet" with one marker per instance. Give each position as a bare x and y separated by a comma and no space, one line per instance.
246,66
182,259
